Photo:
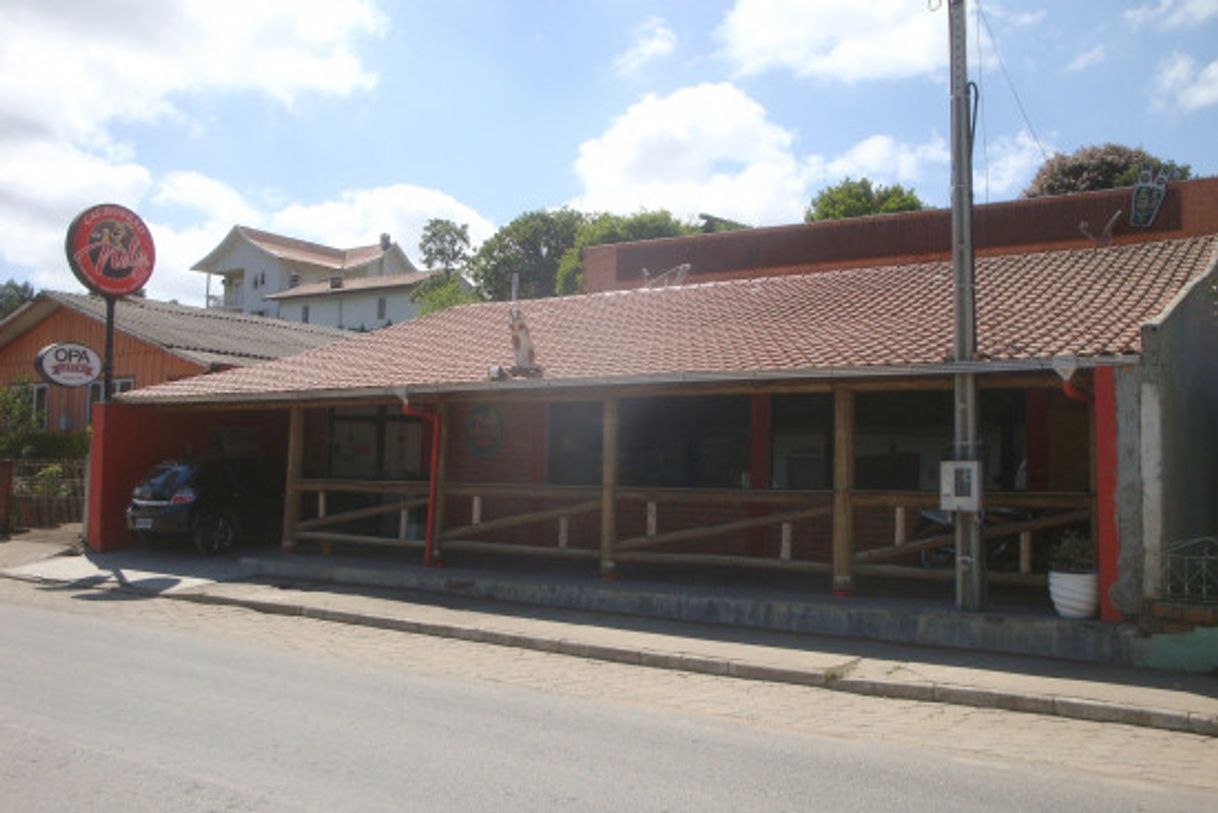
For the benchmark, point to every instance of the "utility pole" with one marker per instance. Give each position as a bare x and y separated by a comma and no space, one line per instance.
970,558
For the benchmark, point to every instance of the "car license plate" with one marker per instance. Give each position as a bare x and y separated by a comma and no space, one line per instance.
143,524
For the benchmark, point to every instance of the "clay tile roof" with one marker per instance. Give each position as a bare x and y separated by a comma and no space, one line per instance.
1086,302
204,336
289,248
353,284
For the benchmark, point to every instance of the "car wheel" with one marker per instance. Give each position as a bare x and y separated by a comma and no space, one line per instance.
215,532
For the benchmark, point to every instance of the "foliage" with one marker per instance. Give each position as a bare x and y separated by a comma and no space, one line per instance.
56,446
530,245
852,198
1074,553
440,292
18,418
49,482
13,295
1107,166
444,245
714,225
607,228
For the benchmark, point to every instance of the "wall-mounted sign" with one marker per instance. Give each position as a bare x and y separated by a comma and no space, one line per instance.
1148,194
68,364
484,431
110,250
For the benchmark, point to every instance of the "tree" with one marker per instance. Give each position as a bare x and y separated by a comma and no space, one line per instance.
19,419
1107,166
444,245
852,198
531,246
607,228
13,295
443,292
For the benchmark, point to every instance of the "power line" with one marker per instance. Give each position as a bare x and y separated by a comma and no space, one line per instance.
1001,64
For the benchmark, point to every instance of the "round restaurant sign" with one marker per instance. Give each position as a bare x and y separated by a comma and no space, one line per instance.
110,250
68,364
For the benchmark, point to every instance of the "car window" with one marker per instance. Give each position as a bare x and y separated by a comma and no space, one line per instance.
169,476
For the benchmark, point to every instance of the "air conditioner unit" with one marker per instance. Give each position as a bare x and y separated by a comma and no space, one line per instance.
960,485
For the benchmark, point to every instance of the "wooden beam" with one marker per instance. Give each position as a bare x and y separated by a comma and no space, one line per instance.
722,528
843,484
652,557
295,463
721,496
523,519
609,474
324,519
522,550
359,539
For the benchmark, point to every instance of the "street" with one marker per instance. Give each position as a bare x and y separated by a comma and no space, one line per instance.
110,699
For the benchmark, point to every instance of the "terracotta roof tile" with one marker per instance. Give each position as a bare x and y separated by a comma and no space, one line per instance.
1089,302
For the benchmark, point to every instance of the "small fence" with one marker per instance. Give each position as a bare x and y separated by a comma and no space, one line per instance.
1190,571
46,492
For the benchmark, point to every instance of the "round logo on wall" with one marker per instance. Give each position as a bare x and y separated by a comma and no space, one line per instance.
484,431
68,364
110,250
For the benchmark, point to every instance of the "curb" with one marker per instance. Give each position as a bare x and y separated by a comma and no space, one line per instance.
833,679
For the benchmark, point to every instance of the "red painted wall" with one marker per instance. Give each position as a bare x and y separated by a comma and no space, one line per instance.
129,440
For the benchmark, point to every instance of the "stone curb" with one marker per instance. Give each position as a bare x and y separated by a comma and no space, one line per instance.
832,679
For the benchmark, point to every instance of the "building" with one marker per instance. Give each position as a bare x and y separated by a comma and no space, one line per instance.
154,342
785,408
270,275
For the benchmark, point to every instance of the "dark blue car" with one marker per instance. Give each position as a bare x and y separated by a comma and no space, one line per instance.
216,503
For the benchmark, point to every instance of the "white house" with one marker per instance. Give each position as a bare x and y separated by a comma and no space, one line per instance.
365,287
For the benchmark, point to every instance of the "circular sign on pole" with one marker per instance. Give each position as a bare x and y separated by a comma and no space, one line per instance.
68,364
110,250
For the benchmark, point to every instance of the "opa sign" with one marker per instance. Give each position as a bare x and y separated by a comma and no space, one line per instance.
68,364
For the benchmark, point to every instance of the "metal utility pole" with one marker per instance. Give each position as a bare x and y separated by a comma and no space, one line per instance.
970,559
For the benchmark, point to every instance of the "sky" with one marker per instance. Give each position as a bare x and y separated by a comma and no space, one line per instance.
339,120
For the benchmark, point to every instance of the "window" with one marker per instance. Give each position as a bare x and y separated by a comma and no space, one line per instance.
293,280
802,441
375,443
304,314
40,404
574,447
689,442
95,392
380,308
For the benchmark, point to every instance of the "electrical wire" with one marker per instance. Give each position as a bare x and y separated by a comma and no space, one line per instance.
1018,102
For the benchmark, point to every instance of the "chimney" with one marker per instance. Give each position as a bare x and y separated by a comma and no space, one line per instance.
385,241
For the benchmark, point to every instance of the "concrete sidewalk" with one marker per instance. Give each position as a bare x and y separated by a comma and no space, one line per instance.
1095,692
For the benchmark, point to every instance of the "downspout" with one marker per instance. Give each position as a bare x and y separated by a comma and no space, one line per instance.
1074,393
433,419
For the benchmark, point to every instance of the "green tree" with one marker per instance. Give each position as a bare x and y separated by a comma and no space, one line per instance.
13,295
607,228
852,198
19,420
443,292
444,245
1107,166
531,246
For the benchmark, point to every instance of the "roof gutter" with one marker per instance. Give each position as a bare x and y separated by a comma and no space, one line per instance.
542,384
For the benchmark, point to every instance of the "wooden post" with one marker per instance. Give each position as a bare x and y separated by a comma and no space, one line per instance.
291,497
652,522
326,546
784,552
564,526
843,482
440,472
609,473
475,511
900,522
1025,552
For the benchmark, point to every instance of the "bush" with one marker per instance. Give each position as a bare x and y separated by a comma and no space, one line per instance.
1074,553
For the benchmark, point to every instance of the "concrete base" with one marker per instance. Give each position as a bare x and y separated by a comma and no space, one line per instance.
905,621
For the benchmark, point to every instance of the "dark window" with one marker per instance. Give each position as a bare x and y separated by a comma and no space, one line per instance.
691,442
95,393
304,314
375,443
802,441
380,308
574,447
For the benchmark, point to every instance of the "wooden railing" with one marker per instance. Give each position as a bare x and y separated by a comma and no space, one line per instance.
579,501
412,497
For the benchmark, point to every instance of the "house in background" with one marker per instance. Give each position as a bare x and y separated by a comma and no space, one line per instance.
255,266
154,342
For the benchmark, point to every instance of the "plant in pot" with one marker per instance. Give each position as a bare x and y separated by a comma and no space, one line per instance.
1073,581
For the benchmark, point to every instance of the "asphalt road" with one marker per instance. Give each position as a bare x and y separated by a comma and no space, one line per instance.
104,710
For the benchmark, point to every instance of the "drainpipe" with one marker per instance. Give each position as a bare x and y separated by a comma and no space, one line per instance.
433,419
1074,393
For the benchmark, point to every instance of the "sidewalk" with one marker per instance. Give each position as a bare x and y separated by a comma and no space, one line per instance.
1094,692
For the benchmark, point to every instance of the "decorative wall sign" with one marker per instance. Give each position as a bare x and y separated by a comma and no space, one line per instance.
68,364
484,431
1148,194
110,250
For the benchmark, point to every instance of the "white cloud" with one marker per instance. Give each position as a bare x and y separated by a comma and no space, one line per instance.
1092,56
712,148
1006,166
1172,14
1185,85
829,39
653,39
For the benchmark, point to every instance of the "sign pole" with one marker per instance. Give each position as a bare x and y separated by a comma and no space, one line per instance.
108,360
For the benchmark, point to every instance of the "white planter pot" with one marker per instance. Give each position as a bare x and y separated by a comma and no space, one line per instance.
1075,595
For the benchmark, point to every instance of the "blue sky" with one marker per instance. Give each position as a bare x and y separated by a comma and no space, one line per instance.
337,120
